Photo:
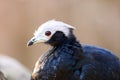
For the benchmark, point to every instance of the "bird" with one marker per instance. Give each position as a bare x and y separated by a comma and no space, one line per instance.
68,59
13,69
2,77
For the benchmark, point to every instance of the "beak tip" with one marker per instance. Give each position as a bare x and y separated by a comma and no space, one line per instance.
30,43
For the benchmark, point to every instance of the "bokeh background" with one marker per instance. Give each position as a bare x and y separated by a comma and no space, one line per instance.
97,22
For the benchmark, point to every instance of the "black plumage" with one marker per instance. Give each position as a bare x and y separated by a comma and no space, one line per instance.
70,60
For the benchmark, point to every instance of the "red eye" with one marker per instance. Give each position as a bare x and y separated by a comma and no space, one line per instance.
47,33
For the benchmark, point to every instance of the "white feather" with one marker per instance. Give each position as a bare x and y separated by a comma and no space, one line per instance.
12,69
53,26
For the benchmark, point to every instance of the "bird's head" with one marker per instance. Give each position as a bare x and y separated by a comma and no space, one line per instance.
51,32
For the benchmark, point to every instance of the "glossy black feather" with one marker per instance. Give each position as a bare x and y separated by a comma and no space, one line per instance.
69,60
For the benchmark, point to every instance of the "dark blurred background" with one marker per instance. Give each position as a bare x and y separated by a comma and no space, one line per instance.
97,22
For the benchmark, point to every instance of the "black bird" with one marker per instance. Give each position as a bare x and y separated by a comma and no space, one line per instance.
70,60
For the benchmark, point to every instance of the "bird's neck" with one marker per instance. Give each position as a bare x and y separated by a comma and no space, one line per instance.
68,45
67,40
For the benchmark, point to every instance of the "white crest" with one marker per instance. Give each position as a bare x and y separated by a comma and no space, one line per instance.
53,26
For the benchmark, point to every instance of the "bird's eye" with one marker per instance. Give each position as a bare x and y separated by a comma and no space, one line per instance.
47,33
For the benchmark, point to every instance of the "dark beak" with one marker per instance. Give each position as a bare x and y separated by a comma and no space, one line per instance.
35,40
31,42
